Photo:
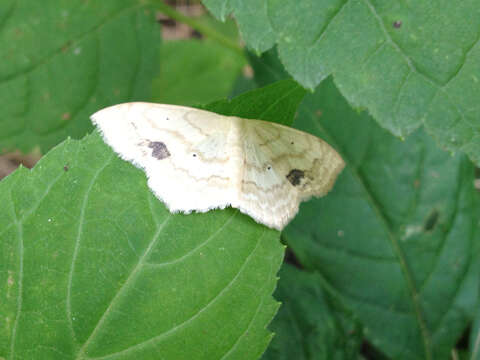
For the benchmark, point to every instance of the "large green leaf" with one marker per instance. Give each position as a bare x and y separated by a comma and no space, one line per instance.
409,63
309,326
92,265
195,72
198,71
398,237
61,60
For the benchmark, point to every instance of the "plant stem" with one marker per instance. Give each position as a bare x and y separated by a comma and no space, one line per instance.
205,30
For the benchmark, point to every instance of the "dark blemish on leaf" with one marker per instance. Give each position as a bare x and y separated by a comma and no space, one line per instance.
295,176
397,24
160,150
431,221
196,34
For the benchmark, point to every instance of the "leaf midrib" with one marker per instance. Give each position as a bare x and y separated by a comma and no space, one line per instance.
153,242
414,295
177,327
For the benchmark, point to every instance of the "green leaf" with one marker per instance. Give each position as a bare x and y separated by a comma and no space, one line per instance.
251,19
475,338
267,67
195,71
397,237
309,325
408,63
93,265
63,60
242,84
277,102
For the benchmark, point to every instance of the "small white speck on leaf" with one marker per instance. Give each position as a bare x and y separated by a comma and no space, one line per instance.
411,230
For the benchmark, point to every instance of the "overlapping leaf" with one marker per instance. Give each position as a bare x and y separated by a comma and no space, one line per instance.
63,60
194,72
398,237
309,325
409,63
198,71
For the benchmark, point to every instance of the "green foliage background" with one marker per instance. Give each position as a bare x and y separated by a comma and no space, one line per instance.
386,266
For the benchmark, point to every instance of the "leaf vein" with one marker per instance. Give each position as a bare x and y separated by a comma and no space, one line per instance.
260,305
20,287
462,63
71,42
323,31
389,39
397,99
81,222
414,295
8,14
192,251
161,336
132,275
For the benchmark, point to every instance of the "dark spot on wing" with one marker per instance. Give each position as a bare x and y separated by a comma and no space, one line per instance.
159,151
295,176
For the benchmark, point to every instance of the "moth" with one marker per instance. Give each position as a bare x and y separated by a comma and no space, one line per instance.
197,160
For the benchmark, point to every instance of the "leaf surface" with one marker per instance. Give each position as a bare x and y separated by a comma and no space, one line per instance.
62,61
198,71
408,63
194,72
397,238
475,338
309,326
258,103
